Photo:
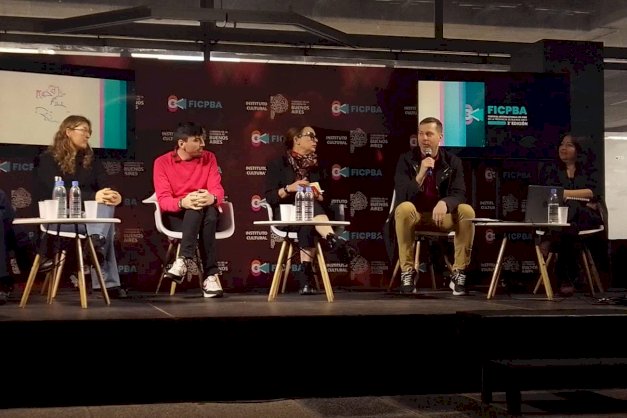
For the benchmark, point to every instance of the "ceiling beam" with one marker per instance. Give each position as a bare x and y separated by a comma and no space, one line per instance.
97,20
253,17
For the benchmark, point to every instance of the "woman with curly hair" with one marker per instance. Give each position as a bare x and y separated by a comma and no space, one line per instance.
71,158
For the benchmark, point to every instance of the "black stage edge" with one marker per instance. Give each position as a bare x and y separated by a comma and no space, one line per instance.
158,348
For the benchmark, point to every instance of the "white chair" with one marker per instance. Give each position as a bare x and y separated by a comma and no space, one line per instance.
225,229
592,274
419,237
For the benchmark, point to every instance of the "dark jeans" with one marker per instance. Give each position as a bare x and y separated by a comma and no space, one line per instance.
195,224
306,234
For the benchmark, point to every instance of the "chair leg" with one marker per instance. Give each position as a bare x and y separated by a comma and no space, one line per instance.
201,269
173,284
397,267
276,278
594,271
326,281
96,265
288,266
539,282
168,255
417,262
57,275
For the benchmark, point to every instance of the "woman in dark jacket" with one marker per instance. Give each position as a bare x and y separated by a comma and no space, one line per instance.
299,166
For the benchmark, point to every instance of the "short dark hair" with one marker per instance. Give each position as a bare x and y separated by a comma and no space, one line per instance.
186,129
431,119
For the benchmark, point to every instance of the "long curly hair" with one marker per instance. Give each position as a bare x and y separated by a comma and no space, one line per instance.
62,150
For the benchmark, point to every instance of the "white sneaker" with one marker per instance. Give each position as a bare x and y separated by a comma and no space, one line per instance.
178,270
211,287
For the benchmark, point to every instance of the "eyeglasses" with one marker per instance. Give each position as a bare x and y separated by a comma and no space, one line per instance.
311,135
82,130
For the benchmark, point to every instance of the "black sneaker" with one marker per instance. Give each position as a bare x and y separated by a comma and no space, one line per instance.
4,297
458,283
407,281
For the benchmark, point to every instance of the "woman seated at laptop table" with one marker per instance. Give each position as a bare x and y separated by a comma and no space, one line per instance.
577,178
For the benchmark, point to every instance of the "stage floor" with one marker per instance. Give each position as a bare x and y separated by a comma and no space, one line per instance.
190,304
358,345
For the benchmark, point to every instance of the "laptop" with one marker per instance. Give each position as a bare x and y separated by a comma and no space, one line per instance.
537,202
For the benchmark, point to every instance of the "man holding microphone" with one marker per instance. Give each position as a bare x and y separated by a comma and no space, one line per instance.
430,194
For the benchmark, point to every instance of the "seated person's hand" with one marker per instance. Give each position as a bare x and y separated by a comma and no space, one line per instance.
108,197
197,200
204,198
439,211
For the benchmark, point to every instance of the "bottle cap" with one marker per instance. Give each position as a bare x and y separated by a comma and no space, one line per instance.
74,183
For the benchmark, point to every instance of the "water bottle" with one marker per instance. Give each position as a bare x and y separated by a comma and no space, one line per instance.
298,201
308,204
60,195
75,200
553,207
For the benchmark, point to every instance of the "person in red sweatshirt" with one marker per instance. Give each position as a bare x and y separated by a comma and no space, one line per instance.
189,191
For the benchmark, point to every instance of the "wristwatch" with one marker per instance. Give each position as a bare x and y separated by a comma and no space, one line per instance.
286,191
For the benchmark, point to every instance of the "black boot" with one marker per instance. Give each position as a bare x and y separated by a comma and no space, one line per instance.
344,250
306,279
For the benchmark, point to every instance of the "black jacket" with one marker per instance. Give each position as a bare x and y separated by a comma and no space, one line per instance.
89,180
451,187
280,174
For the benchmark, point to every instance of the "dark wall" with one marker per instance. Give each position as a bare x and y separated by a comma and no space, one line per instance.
248,107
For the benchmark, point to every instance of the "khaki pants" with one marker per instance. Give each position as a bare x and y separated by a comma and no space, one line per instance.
408,219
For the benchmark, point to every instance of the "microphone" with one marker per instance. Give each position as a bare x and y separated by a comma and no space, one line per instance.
428,152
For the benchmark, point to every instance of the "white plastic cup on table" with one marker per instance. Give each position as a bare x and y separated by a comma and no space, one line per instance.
51,209
91,209
287,212
42,209
562,214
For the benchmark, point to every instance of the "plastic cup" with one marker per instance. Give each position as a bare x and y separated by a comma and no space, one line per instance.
91,209
562,214
287,212
51,209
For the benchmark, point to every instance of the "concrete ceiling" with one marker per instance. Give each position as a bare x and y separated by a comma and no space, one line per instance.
472,33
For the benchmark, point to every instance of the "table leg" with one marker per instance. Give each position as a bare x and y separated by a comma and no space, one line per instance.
96,264
276,278
497,269
30,281
288,266
544,273
326,280
81,273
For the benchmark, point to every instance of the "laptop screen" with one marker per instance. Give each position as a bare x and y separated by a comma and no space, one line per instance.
536,210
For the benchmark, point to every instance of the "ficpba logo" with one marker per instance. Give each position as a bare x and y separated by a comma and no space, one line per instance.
255,203
338,108
257,138
257,268
337,172
174,104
